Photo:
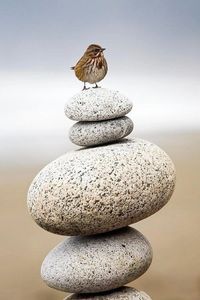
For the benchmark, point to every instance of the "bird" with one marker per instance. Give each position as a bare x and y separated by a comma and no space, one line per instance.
92,66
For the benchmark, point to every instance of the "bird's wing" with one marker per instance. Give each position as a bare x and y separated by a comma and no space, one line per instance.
81,67
83,62
80,64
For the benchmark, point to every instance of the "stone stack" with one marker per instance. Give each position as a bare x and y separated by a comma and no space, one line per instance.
101,115
93,195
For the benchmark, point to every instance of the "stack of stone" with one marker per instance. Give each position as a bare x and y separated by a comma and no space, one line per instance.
93,195
101,115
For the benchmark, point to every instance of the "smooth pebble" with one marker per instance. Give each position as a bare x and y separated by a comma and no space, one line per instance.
99,189
97,263
123,293
100,132
97,105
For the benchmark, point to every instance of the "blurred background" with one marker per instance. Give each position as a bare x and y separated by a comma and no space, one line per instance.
153,53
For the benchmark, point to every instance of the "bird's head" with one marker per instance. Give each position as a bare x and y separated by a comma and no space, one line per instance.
94,51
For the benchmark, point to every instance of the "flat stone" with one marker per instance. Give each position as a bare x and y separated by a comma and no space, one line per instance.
97,105
123,293
98,189
100,132
91,264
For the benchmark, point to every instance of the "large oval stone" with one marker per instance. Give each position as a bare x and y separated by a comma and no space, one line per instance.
100,189
97,263
97,104
123,293
100,132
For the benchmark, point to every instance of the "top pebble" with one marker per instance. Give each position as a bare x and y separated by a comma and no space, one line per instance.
97,105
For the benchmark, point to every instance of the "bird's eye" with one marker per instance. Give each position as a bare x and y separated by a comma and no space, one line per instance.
96,50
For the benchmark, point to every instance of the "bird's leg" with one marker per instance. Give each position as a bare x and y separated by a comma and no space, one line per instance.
84,88
96,86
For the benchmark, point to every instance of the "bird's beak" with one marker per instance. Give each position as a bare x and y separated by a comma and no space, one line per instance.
103,49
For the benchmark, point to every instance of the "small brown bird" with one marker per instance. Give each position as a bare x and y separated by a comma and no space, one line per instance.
92,67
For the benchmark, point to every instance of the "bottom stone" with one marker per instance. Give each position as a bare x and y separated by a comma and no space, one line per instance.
123,293
92,264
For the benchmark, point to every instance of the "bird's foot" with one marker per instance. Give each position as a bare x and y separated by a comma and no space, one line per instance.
85,88
96,86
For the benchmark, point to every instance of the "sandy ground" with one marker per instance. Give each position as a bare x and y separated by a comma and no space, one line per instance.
173,233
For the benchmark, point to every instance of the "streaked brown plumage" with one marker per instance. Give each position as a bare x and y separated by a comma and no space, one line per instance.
92,67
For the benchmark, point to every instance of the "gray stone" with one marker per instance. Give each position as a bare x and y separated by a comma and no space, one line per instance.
91,264
100,132
123,293
96,105
95,190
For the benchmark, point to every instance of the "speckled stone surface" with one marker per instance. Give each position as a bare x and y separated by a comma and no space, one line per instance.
98,189
97,263
123,293
97,104
100,132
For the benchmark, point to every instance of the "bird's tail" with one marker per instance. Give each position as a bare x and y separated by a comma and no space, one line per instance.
72,68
